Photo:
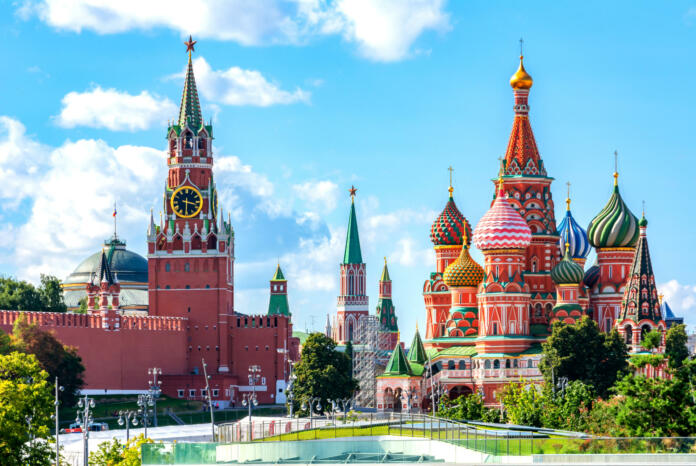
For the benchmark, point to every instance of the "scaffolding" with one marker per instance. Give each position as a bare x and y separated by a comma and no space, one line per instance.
369,359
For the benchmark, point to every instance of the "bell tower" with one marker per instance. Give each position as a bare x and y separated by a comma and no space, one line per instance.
191,250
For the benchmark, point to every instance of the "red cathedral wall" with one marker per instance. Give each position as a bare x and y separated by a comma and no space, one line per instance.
117,360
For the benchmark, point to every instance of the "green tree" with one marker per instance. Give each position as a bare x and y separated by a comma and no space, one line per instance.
468,407
58,360
16,295
675,346
322,372
582,352
525,403
26,405
653,407
115,453
651,340
52,294
570,408
349,351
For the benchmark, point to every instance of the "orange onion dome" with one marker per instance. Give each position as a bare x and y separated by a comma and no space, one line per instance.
464,271
521,79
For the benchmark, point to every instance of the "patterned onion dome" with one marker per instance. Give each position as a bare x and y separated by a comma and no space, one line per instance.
572,233
567,272
502,227
464,271
615,226
591,276
449,227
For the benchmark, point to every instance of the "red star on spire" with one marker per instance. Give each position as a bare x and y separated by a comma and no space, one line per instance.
352,191
189,44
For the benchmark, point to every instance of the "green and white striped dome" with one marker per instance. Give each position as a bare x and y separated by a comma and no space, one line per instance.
615,226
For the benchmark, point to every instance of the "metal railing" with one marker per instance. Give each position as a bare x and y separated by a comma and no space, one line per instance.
497,440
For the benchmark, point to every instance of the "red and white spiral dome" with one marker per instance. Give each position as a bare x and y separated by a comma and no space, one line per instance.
502,227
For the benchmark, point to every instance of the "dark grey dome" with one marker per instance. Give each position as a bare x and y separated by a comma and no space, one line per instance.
128,266
130,269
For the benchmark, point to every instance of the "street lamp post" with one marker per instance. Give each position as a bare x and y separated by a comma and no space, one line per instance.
340,404
309,404
127,418
250,399
209,397
56,403
155,388
84,418
145,403
411,396
289,391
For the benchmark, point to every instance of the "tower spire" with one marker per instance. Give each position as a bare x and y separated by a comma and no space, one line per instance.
190,110
352,254
451,189
616,168
568,196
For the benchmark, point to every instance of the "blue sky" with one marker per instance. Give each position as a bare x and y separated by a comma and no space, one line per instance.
309,97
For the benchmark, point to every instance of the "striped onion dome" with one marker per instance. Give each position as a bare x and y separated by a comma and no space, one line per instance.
591,276
502,227
572,233
615,226
449,227
464,271
567,272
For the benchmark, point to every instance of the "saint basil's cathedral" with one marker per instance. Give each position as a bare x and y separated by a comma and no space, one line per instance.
485,323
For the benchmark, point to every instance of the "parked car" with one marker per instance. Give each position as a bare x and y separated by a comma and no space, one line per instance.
93,427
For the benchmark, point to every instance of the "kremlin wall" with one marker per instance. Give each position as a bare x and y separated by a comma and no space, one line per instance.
484,323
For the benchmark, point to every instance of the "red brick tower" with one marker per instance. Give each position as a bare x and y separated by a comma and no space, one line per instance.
614,234
190,254
353,301
446,233
529,191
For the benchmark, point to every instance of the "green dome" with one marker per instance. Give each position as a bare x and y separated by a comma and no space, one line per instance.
615,226
567,272
643,222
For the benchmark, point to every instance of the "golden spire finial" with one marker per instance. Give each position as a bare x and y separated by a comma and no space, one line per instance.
450,189
500,175
521,79
568,196
616,168
661,296
567,247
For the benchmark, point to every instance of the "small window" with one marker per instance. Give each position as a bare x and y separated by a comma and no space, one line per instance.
167,267
263,380
207,286
257,348
450,365
180,393
187,267
267,347
188,287
507,364
514,363
216,392
203,392
189,309
192,393
496,364
462,365
495,328
487,364
167,287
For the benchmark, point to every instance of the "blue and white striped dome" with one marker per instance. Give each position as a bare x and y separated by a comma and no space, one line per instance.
571,232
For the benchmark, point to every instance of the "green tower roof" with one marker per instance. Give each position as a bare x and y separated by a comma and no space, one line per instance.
352,254
416,353
190,110
278,276
397,365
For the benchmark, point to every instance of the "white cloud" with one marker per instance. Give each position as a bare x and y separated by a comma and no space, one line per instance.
114,110
235,86
409,255
681,298
321,195
384,30
21,158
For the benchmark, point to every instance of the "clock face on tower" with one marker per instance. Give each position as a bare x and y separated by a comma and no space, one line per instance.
187,202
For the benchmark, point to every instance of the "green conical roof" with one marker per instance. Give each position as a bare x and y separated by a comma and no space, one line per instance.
278,277
352,254
190,110
398,365
416,353
385,273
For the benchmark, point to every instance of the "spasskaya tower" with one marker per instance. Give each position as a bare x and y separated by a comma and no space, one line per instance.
191,250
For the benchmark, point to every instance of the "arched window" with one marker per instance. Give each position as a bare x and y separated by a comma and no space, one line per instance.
350,331
188,141
496,364
462,365
487,364
450,365
351,283
507,364
629,334
187,267
537,310
514,363
643,331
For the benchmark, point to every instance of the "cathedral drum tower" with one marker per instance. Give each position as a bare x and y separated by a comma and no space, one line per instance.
529,191
190,252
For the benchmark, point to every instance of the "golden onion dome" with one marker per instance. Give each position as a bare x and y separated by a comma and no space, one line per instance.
521,79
